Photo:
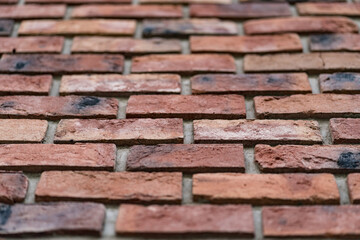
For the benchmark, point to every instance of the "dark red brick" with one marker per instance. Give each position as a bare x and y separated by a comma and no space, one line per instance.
342,82
6,26
32,11
13,187
26,85
345,130
31,44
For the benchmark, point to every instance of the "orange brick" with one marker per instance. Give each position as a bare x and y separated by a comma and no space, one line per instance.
354,178
31,44
78,1
26,85
345,130
22,130
13,187
325,8
32,11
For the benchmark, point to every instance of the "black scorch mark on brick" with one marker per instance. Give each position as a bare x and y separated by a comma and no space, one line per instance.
349,160
343,77
206,79
9,104
87,102
5,213
20,65
325,39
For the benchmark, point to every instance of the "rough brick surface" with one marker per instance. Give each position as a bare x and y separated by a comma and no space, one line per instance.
22,130
185,1
6,27
353,184
335,42
121,131
167,220
109,187
32,11
187,158
78,1
31,45
26,85
324,8
345,130
186,107
343,82
266,188
13,187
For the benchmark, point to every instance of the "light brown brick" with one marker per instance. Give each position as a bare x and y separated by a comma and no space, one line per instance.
345,130
31,44
121,131
22,130
6,27
353,180
335,42
342,82
26,85
13,187
109,187
32,11
325,8
185,1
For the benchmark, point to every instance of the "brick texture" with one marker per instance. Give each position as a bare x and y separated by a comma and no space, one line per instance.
78,1
345,130
6,27
335,42
185,1
342,9
22,130
353,184
13,187
25,85
31,45
342,82
32,11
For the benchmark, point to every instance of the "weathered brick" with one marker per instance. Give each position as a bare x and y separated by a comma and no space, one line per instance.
262,189
46,107
13,187
31,44
52,218
60,64
125,45
311,221
121,131
110,187
335,42
250,132
241,10
246,44
8,1
22,84
353,182
77,27
127,11
32,11
119,85
325,8
345,130
187,158
78,1
307,106
6,27
186,106
251,84
185,1
22,130
186,64
342,82
301,25
186,27
41,157
235,220
316,158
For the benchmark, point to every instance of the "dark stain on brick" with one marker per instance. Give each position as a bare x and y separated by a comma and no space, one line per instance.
87,102
9,104
5,213
2,29
206,79
20,65
325,39
272,79
148,30
349,160
344,77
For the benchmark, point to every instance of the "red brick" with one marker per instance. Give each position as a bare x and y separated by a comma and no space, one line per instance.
324,8
311,221
301,25
186,27
316,158
52,218
22,130
250,132
78,1
235,220
335,42
186,64
31,44
21,84
109,187
307,106
184,1
186,106
127,11
340,83
57,107
8,1
13,187
345,130
251,84
121,131
41,157
119,85
262,189
6,27
353,181
241,10
246,44
187,158
77,27
32,11
125,45
60,64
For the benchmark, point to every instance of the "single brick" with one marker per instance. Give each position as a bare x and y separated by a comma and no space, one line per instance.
22,130
353,182
342,82
335,42
55,108
121,131
262,189
324,8
125,45
307,106
185,1
311,221
186,64
246,44
52,218
119,85
301,25
250,132
187,158
345,130
8,1
127,11
27,85
32,11
241,10
6,26
186,27
60,64
316,158
78,1
77,27
186,106
251,84
110,187
41,157
13,187
234,220
31,44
